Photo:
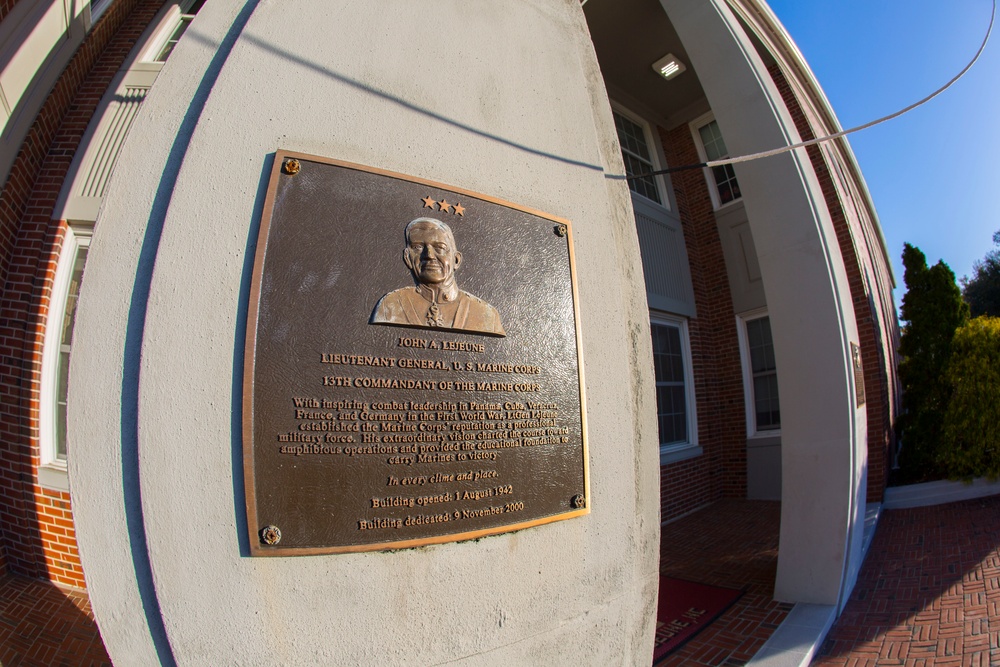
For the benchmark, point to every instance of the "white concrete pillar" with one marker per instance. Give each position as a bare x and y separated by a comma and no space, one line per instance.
503,99
808,299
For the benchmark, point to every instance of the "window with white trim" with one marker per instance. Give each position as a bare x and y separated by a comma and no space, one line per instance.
760,375
674,387
59,343
97,7
637,156
721,179
173,26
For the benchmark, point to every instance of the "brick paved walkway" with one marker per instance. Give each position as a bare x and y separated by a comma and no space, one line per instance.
42,625
734,544
927,596
928,593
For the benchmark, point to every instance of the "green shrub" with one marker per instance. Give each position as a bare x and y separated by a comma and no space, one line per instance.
971,429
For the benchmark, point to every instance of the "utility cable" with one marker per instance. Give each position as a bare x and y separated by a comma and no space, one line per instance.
835,135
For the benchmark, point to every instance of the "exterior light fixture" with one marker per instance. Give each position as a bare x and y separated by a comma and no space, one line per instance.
669,66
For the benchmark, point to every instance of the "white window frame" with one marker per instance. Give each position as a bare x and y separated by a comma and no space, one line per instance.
713,189
748,392
174,16
679,451
97,9
655,154
52,471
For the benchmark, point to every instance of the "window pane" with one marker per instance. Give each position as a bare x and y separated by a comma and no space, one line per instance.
671,396
667,354
97,8
175,37
69,314
765,390
644,185
724,175
725,193
631,136
671,413
65,340
754,336
637,158
765,376
59,427
725,181
761,347
677,367
711,138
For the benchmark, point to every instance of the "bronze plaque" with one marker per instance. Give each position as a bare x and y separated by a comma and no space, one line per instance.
859,375
413,369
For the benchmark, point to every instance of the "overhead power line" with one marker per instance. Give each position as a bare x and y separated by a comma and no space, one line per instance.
835,135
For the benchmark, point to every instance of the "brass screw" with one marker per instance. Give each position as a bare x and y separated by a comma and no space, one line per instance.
579,501
292,167
270,535
561,230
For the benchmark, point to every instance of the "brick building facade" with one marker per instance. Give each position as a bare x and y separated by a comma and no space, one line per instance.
37,536
720,442
721,473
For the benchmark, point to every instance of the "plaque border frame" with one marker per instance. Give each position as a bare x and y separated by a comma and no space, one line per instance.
249,359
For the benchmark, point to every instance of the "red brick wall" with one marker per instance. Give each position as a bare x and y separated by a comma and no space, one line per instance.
877,407
36,530
55,524
720,472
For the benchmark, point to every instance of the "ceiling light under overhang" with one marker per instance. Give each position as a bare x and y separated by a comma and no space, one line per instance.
669,66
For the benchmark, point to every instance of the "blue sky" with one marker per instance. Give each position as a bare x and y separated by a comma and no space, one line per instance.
934,173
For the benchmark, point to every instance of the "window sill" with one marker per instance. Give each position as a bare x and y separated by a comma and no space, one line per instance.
649,202
678,453
762,435
729,204
53,476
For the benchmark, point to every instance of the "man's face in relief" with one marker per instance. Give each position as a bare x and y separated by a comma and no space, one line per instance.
431,254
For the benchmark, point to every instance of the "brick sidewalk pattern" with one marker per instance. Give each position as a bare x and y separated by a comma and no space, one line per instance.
734,544
42,625
928,593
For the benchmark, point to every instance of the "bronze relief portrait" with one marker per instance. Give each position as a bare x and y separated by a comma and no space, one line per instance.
435,301
365,377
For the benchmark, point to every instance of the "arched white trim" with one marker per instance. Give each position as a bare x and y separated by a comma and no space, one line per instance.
808,299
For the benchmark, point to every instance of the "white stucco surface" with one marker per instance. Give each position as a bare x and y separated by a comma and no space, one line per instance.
500,98
823,449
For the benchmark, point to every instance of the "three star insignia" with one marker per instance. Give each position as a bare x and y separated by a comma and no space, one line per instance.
442,206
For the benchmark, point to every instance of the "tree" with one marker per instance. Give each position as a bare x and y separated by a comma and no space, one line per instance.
982,290
932,310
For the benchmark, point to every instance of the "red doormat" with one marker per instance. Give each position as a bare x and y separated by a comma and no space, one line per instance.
684,609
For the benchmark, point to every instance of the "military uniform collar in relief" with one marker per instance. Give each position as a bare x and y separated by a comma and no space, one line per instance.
445,294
